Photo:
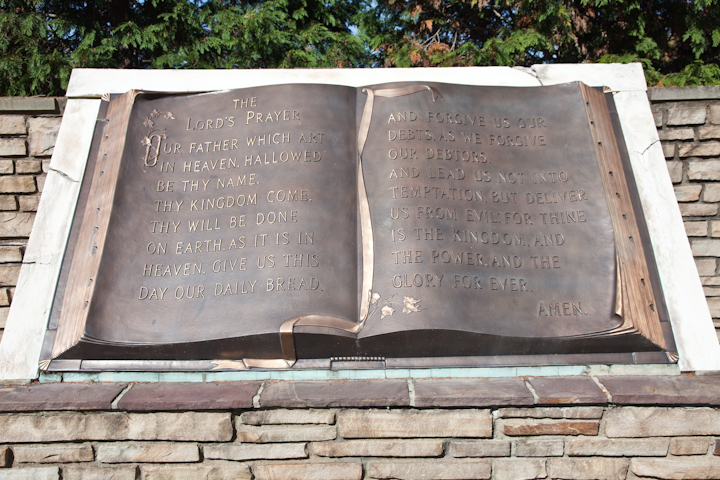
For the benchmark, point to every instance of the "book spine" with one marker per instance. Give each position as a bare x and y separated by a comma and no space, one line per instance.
635,300
91,241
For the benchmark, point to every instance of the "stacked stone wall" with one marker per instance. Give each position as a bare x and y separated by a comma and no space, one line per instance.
28,130
349,444
688,123
504,429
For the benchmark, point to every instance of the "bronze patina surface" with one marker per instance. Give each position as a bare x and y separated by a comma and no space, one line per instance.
407,221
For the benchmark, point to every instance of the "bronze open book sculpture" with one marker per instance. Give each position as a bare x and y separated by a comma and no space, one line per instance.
405,221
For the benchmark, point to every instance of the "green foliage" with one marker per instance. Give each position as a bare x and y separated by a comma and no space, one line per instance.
677,41
41,41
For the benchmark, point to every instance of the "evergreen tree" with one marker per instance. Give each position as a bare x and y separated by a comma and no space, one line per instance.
678,41
42,41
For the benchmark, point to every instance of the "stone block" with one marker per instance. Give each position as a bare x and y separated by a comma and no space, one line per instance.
91,472
9,274
669,134
6,457
242,452
675,169
215,471
589,468
603,447
53,453
676,94
657,115
668,150
710,280
518,427
711,193
282,433
545,447
29,203
715,229
706,266
189,396
676,468
277,417
414,423
684,115
42,135
715,114
567,390
28,104
12,147
309,471
28,166
40,180
703,169
689,446
46,165
688,193
16,184
4,312
7,167
479,448
339,393
705,248
717,447
379,448
696,229
13,225
31,473
8,202
436,470
186,426
472,393
12,125
519,469
658,390
62,427
137,452
714,306
10,254
637,422
711,291
551,412
698,209
709,132
59,396
699,149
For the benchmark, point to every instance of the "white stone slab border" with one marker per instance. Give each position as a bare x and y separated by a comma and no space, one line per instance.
689,315
30,310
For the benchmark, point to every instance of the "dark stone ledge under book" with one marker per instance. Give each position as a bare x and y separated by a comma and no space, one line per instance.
472,392
60,396
336,393
567,390
189,396
675,390
681,390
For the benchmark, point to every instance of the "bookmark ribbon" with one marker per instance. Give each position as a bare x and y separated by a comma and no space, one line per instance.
287,342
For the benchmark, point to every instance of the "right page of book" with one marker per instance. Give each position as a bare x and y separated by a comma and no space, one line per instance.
490,225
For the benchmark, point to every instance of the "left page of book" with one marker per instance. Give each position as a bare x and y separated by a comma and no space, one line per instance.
233,212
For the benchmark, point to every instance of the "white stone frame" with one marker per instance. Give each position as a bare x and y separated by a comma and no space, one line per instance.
692,325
